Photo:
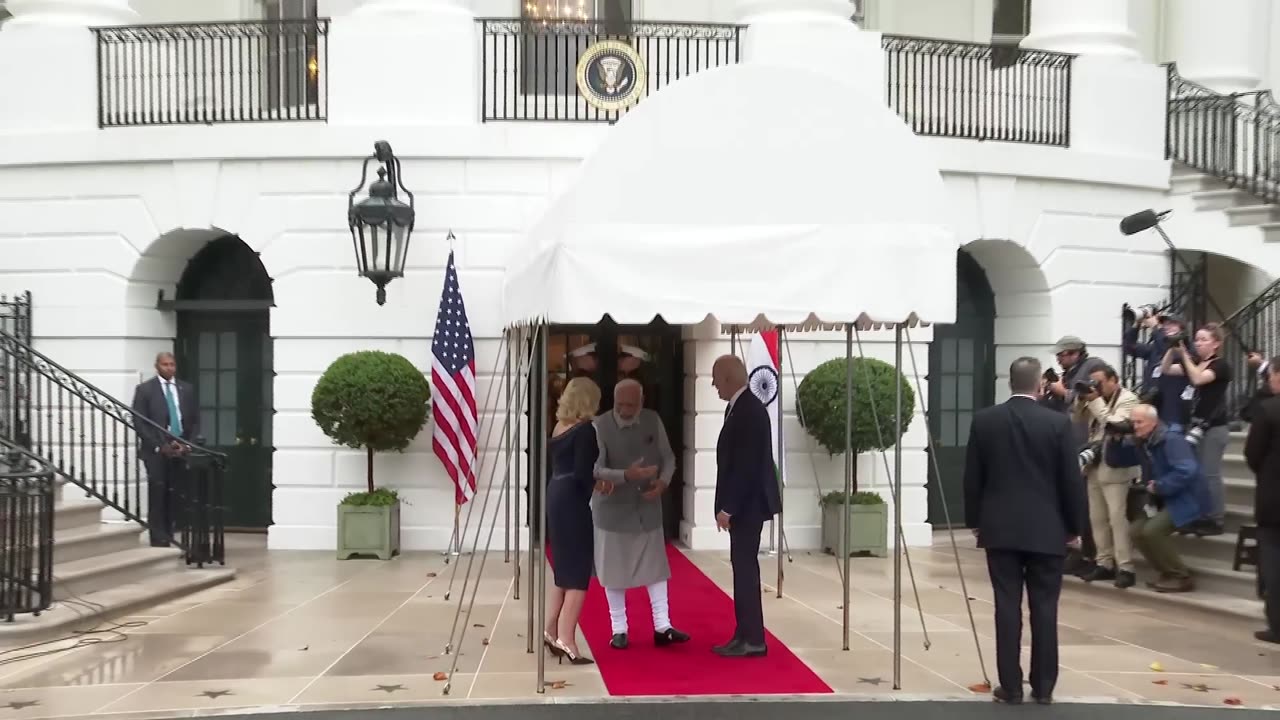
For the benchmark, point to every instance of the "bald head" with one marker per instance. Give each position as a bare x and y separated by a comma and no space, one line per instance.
166,366
728,375
628,398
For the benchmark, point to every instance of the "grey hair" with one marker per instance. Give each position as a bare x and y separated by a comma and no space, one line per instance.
1148,410
628,383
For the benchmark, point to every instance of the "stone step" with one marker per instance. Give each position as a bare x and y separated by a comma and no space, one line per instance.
1216,549
1270,231
91,541
68,516
1207,200
1245,215
1211,602
1212,577
1238,490
96,609
79,578
1190,181
1238,515
1235,445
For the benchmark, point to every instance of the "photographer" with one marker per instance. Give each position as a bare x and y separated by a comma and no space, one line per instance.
1060,394
1177,498
1159,389
1207,429
1104,405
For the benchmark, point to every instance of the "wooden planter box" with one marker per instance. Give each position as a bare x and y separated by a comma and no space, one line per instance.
868,529
366,530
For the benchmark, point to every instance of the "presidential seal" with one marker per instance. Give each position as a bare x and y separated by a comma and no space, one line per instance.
611,75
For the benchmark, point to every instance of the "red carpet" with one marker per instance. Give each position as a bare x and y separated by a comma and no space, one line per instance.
700,608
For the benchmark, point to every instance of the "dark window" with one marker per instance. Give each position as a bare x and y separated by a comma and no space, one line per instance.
1010,20
559,32
292,55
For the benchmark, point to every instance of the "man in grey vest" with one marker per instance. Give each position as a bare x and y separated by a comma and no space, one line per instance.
634,469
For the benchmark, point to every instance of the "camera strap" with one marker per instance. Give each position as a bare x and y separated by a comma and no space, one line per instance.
1111,408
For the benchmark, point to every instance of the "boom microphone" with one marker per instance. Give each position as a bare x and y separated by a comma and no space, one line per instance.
1141,221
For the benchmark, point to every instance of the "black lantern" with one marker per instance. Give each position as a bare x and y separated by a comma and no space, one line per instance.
381,225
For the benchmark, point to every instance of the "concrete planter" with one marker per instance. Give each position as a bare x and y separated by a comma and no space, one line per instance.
368,530
868,529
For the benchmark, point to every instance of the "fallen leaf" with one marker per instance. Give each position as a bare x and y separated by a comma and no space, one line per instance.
477,625
980,687
1159,682
440,676
1233,701
484,641
1157,667
558,684
431,574
304,649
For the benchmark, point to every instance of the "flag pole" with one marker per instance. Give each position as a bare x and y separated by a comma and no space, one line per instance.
781,464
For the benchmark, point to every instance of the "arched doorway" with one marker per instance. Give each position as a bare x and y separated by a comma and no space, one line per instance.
224,305
961,381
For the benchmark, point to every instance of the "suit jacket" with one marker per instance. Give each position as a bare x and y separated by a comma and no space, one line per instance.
149,402
1022,485
1262,452
746,482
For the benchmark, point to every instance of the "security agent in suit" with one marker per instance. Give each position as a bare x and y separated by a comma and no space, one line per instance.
746,497
171,404
1025,502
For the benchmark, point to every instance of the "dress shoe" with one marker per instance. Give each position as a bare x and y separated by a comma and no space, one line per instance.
1003,696
1171,585
1099,573
669,636
741,649
1125,579
619,641
1267,636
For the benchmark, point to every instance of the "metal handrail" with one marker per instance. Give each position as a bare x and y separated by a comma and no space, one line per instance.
26,532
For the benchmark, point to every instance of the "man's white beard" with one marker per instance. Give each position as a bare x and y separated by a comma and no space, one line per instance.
624,423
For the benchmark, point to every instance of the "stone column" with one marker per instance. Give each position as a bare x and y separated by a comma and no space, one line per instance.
69,13
405,62
1221,44
1082,27
814,34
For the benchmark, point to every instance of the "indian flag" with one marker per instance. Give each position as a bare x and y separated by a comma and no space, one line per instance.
763,366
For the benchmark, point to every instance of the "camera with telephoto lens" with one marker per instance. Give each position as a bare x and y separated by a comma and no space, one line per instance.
1090,454
1142,312
1086,387
1121,428
1196,430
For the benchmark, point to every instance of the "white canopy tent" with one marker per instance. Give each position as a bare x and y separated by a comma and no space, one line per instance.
741,192
753,195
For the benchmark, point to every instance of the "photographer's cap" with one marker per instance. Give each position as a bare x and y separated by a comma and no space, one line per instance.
1068,343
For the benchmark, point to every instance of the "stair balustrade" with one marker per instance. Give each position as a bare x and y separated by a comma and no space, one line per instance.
26,532
92,440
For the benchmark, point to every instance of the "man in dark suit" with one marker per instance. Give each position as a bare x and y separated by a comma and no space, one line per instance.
746,497
1262,453
1025,502
171,404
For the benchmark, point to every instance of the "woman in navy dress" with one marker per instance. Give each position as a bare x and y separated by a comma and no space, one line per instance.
573,452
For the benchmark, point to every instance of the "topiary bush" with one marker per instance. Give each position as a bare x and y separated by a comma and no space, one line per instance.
372,400
821,405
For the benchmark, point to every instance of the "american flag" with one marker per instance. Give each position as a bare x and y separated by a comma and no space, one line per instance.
453,389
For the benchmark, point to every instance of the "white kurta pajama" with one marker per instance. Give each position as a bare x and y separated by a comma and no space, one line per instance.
630,543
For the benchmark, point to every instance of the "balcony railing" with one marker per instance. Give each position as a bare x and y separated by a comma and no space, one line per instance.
529,68
980,92
213,73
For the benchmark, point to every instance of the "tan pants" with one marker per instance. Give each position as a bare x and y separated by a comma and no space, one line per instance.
1108,505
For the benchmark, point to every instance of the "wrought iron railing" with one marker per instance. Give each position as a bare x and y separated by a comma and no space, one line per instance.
529,68
1235,138
26,532
1252,328
94,441
209,73
981,92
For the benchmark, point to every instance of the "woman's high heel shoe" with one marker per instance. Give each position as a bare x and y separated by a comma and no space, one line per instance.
550,643
574,658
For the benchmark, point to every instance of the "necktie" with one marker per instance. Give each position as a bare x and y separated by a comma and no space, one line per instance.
175,422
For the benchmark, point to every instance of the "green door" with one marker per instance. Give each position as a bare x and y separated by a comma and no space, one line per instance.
961,382
227,356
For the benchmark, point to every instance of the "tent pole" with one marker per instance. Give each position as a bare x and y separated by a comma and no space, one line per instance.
849,459
517,423
537,415
506,451
539,479
782,485
897,509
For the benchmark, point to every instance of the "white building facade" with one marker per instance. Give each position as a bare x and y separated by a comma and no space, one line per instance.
184,187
